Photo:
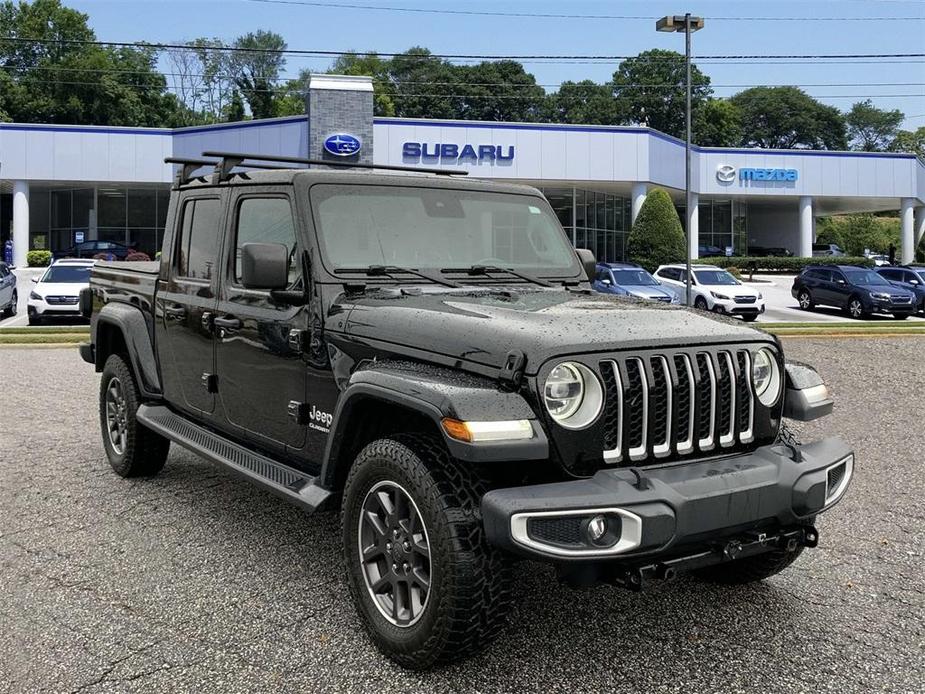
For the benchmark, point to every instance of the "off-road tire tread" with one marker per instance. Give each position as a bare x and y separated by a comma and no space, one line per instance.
479,600
145,451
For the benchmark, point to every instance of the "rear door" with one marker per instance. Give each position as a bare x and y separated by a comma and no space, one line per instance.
7,285
262,378
185,303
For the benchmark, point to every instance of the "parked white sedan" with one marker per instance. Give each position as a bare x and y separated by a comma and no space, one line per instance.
714,289
57,292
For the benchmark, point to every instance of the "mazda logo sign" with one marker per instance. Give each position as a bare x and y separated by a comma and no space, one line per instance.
725,173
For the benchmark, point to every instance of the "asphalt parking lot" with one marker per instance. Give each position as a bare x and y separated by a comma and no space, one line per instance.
197,581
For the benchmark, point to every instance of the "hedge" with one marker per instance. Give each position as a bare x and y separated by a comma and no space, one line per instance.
788,264
38,258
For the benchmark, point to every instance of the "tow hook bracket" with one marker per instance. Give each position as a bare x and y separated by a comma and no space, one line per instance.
810,536
642,482
512,372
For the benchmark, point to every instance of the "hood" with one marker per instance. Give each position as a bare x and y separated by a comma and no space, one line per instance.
59,288
890,289
646,291
483,326
731,289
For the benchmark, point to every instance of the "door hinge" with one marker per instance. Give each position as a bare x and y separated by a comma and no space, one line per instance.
297,340
210,382
512,372
298,411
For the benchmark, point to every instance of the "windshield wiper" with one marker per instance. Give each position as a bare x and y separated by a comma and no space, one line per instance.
390,270
493,269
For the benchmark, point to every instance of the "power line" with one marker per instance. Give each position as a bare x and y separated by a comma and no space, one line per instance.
460,56
542,15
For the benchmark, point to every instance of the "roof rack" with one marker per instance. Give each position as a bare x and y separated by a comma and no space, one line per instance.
238,159
192,164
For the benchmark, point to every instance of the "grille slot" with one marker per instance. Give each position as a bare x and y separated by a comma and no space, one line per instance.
659,405
558,531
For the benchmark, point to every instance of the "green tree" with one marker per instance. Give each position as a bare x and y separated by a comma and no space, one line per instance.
856,233
871,129
650,89
656,237
372,65
912,141
717,123
788,118
498,91
234,111
256,67
582,102
425,86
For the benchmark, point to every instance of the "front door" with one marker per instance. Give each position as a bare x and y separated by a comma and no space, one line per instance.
185,305
261,375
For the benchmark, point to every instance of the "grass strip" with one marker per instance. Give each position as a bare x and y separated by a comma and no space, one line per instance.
59,338
46,330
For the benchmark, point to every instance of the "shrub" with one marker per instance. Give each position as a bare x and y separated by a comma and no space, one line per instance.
783,264
38,258
101,256
734,271
137,255
656,237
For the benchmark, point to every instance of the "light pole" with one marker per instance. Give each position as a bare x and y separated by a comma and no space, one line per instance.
688,25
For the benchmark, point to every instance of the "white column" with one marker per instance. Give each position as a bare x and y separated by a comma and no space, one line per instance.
20,222
638,197
907,232
693,226
919,225
806,227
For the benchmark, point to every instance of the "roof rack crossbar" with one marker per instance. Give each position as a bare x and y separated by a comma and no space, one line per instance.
239,157
189,165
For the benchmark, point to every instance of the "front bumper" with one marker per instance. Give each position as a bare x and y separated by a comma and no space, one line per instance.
732,308
663,510
884,306
36,307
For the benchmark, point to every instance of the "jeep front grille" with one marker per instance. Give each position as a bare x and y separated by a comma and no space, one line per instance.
676,404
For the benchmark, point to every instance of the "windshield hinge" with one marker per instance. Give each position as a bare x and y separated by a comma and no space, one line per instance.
512,372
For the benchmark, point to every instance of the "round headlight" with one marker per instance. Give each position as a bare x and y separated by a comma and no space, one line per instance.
573,395
766,377
564,391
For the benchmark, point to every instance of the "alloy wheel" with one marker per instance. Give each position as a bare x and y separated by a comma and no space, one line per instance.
394,553
116,416
855,308
805,301
14,304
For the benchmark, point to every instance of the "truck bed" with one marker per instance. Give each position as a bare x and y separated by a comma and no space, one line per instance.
129,282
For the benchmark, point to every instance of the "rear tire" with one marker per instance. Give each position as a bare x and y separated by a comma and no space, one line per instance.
901,316
10,310
133,450
805,299
749,569
430,606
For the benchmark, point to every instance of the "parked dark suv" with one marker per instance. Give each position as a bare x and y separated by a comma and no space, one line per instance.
425,353
908,277
859,291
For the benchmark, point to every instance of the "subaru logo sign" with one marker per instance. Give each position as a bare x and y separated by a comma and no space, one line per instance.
725,173
342,144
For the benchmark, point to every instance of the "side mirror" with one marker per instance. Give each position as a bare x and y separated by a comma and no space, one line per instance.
606,281
35,280
264,266
588,261
914,282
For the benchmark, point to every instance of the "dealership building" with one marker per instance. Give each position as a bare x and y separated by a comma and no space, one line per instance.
61,184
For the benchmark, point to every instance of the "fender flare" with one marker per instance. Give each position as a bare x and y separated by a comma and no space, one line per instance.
131,323
435,393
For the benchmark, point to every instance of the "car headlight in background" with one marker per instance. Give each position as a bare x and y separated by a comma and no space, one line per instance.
573,395
760,295
33,295
766,377
880,295
717,295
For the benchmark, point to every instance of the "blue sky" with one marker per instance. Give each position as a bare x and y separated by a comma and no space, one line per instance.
328,28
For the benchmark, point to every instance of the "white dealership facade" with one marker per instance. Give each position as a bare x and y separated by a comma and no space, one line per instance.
60,183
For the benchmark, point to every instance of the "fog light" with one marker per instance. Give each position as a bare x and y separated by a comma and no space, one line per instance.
597,528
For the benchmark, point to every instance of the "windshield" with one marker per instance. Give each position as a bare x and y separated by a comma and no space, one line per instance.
364,225
920,272
865,277
634,278
714,277
67,274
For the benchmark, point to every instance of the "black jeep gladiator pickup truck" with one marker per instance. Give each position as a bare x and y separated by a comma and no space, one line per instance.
424,352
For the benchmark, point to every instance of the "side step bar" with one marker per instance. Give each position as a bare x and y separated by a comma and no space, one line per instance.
289,483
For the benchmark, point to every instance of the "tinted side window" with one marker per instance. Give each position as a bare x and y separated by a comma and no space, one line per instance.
266,220
602,275
838,276
893,275
197,245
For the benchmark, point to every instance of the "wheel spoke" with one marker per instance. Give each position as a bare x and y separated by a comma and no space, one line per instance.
384,581
372,551
420,579
420,547
385,502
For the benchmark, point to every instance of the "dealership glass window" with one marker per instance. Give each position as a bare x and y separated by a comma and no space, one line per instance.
111,203
142,207
81,208
60,209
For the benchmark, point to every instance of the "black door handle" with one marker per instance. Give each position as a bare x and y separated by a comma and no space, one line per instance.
174,311
227,323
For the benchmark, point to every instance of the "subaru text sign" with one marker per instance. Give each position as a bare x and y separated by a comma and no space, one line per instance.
342,144
457,154
727,174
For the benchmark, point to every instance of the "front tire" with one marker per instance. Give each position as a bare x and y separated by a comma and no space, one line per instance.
133,450
901,316
426,584
701,303
10,310
856,308
35,319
